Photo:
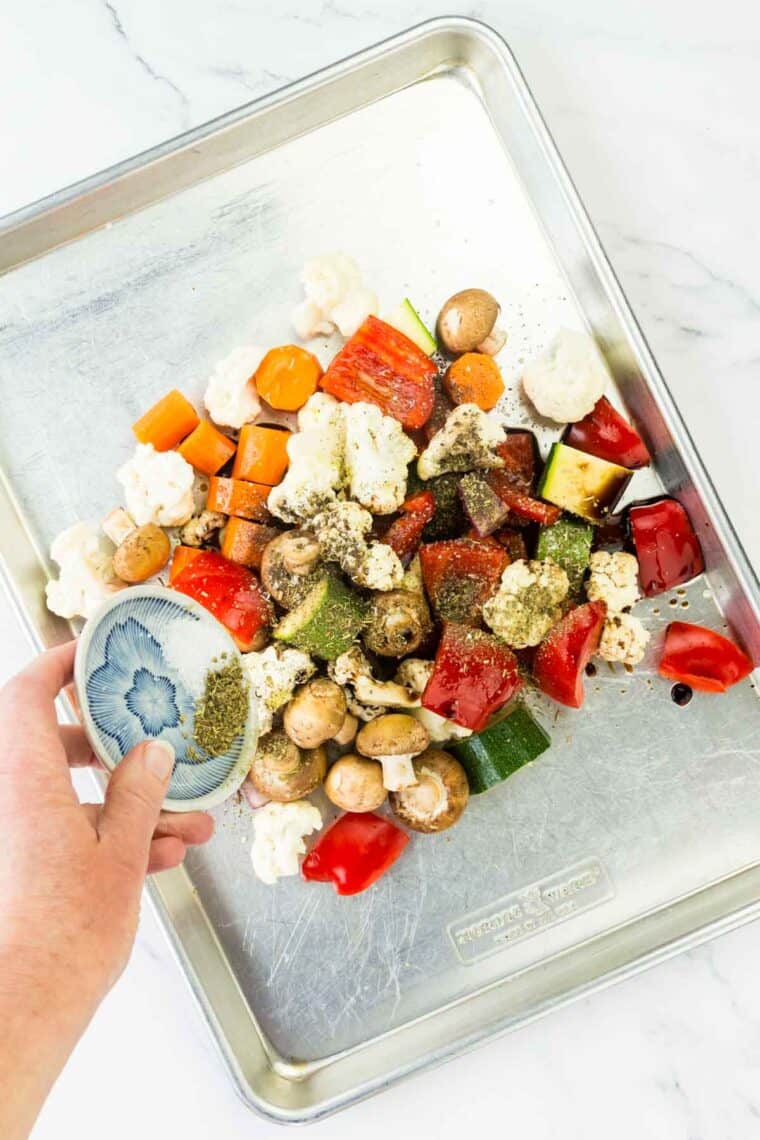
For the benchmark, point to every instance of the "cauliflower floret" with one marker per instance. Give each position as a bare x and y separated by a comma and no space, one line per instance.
353,671
466,441
528,602
316,453
566,381
86,576
414,675
342,530
623,639
231,398
613,579
273,674
278,838
335,296
158,486
377,456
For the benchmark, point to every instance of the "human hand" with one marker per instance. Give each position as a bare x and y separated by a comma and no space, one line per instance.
70,878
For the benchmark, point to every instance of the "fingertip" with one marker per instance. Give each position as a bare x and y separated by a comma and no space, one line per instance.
165,854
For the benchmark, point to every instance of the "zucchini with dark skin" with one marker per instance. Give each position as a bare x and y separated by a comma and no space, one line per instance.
508,744
568,544
327,622
582,484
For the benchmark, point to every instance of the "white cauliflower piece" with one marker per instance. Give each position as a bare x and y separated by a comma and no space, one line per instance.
566,381
465,442
316,453
86,575
377,456
273,675
342,530
158,487
613,579
527,603
354,672
117,525
414,674
231,398
278,838
336,296
623,639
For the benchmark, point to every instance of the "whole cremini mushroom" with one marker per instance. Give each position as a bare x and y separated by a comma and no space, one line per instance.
355,784
439,796
316,713
394,739
347,731
281,771
467,323
398,623
289,567
142,554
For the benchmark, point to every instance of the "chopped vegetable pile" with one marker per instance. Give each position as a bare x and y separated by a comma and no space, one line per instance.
399,567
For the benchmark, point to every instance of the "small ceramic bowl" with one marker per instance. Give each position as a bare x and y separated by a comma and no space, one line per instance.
141,663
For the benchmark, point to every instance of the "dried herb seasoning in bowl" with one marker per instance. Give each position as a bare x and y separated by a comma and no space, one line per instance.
155,665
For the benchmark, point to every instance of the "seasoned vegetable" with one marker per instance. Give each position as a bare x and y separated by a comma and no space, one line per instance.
290,567
466,442
167,423
394,739
582,484
568,543
405,533
142,554
282,772
326,622
604,433
460,575
356,784
521,458
474,675
381,366
528,602
182,557
207,449
513,542
398,623
202,528
500,749
236,497
702,658
438,798
667,548
524,507
485,510
475,379
407,320
316,713
245,542
562,657
262,455
231,593
287,376
354,852
467,322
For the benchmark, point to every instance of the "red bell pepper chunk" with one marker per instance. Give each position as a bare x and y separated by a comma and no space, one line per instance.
520,504
702,658
231,593
354,852
443,405
604,433
519,454
460,574
381,366
562,656
513,542
473,676
404,535
666,546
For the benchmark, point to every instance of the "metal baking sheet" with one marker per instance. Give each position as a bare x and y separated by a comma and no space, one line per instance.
638,833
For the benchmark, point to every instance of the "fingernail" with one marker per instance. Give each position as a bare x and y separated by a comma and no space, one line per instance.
159,759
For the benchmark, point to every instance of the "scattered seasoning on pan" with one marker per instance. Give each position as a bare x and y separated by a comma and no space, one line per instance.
222,710
681,694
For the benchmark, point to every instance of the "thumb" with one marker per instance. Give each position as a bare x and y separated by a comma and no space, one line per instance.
133,800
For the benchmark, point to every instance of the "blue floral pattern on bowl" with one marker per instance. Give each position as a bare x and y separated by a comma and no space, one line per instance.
130,692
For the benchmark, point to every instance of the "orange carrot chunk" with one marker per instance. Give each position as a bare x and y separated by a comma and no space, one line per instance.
207,449
474,378
287,376
244,541
236,497
182,557
168,422
262,455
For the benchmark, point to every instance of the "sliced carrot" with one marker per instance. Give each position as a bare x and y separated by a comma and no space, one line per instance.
168,422
262,455
182,557
207,449
474,379
287,376
244,541
236,497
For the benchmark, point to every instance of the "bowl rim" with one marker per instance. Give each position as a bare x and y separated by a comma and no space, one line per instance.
235,778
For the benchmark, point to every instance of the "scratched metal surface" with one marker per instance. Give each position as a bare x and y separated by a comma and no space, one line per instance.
664,798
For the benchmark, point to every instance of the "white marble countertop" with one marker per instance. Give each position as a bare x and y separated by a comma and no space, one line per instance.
654,106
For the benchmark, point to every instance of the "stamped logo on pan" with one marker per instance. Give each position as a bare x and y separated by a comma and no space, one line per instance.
530,910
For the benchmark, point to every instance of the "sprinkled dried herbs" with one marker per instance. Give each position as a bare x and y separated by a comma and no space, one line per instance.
222,711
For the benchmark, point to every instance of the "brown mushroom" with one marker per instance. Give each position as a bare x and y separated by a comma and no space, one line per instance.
281,771
202,528
355,784
316,713
394,739
289,567
467,321
399,622
347,731
439,796
142,554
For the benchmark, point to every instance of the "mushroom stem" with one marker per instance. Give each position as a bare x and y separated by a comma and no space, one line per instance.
398,771
494,342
